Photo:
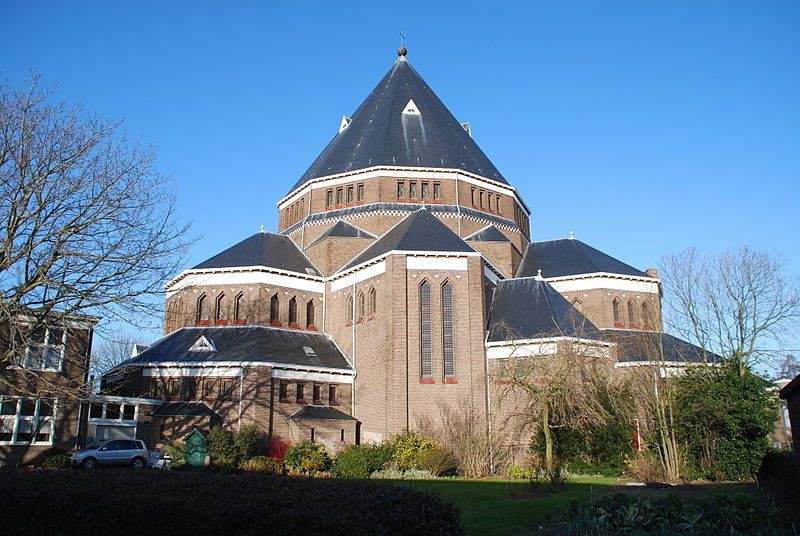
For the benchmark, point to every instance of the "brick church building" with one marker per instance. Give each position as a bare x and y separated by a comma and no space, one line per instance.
402,271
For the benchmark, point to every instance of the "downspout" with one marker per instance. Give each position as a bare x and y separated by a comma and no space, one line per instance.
353,352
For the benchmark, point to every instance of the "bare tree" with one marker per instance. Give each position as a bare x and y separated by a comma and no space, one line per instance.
112,351
739,304
90,225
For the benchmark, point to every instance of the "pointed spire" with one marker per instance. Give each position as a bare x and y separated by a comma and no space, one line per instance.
538,275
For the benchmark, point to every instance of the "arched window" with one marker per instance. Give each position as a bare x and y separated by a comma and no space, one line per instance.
202,309
632,314
360,307
239,308
372,302
349,309
447,331
617,308
275,311
647,316
310,313
577,304
221,313
293,311
426,369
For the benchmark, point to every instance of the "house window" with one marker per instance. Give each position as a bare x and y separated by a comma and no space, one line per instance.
339,197
437,191
27,420
329,199
481,198
301,393
360,192
128,412
360,309
371,302
208,387
113,411
310,313
44,349
275,311
96,411
616,308
333,395
317,394
283,391
412,189
489,199
401,190
293,311
425,329
158,389
473,197
222,309
447,330
647,315
426,191
632,313
226,387
202,309
349,309
239,308
497,205
350,197
191,388
174,386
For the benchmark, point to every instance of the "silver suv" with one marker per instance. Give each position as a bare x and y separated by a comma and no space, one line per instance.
131,452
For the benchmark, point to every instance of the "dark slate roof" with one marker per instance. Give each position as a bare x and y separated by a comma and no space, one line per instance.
556,258
246,343
179,409
421,231
648,346
342,229
321,412
530,308
263,249
381,135
398,208
488,234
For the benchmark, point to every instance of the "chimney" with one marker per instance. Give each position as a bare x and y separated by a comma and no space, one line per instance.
652,272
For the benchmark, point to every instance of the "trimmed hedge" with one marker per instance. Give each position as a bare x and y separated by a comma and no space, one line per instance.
200,503
360,461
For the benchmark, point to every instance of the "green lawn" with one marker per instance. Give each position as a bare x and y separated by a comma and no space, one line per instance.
497,506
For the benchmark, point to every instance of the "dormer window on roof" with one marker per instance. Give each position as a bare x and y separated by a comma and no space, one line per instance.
203,344
411,108
345,123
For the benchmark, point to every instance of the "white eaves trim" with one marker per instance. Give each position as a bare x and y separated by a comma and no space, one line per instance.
407,253
604,280
311,376
246,276
241,364
519,342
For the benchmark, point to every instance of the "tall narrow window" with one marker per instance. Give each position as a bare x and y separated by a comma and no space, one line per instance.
498,206
426,369
647,316
360,192
239,308
632,314
401,190
317,394
437,191
616,307
202,309
339,197
372,302
360,307
481,198
426,191
333,395
350,196
301,393
329,198
473,198
412,189
275,311
221,314
447,331
489,198
293,311
349,309
310,314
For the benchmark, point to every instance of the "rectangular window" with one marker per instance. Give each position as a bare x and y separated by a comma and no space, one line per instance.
497,206
44,349
412,189
437,191
191,388
425,329
317,394
301,393
128,412
447,330
339,197
209,384
481,198
174,388
283,391
333,395
490,202
96,411
112,411
329,199
226,387
350,197
473,197
360,192
27,420
426,191
401,190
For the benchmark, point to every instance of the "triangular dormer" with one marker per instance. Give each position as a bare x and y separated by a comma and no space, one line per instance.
203,344
344,124
411,108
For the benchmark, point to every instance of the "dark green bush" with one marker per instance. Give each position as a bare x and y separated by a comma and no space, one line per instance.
263,464
360,461
178,503
221,450
54,459
246,442
176,450
308,458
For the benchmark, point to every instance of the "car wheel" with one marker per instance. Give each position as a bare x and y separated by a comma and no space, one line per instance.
89,463
138,463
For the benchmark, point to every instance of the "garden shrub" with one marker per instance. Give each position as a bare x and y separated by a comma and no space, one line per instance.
517,472
53,459
437,461
176,450
394,473
221,449
277,448
360,461
308,458
408,448
263,464
202,503
246,441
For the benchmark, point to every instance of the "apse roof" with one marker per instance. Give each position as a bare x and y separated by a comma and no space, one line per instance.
401,123
262,249
420,231
488,234
640,346
321,413
244,344
530,308
342,229
569,256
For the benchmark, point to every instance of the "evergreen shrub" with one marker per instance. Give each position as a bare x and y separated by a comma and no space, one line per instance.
360,461
308,458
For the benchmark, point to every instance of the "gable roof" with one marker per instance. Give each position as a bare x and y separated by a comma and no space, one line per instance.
342,229
381,134
245,344
420,231
569,256
321,413
640,346
531,308
489,233
262,249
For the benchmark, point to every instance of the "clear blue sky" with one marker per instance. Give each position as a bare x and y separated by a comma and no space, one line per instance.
645,127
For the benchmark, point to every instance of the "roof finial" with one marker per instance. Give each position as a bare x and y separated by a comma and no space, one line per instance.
261,229
571,235
539,275
402,51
